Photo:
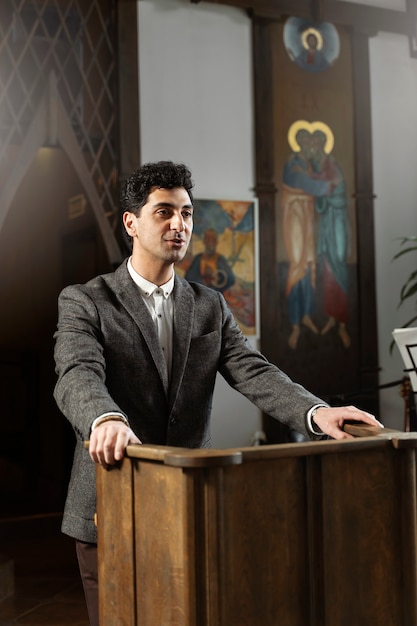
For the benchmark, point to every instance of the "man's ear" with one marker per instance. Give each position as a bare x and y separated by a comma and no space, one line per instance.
129,223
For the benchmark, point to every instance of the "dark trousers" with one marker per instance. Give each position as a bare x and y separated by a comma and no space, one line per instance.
87,561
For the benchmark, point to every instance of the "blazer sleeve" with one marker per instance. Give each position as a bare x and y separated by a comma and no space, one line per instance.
263,383
80,392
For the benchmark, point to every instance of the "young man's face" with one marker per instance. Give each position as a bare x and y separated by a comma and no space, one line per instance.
162,231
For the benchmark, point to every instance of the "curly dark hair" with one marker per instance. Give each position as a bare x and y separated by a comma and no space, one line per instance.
160,175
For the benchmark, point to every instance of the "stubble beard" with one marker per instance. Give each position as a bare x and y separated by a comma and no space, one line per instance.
176,256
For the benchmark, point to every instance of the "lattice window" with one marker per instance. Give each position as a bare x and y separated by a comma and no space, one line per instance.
77,41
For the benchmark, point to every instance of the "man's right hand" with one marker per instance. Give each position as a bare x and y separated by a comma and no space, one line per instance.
108,442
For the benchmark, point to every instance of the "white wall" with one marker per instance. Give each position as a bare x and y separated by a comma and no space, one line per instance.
196,107
394,124
196,92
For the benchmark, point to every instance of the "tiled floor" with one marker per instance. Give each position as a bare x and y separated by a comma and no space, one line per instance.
48,591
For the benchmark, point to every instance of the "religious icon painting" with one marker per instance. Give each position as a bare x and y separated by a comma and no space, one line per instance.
313,47
315,227
318,317
223,255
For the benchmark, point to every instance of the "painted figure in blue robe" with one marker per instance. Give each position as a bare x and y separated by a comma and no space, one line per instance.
333,238
299,190
312,58
210,267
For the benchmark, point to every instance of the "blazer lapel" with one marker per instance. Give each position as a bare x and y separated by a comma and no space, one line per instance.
129,296
183,324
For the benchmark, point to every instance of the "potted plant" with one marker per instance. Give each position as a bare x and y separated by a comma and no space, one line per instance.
409,288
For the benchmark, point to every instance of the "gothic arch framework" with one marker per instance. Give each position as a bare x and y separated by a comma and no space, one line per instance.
50,126
58,86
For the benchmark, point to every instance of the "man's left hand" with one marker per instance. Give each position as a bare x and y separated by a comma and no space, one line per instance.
331,420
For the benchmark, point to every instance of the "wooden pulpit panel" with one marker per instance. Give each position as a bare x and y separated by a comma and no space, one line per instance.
165,538
116,565
311,534
361,495
264,543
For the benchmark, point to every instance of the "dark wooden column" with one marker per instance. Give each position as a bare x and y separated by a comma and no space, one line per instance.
128,86
364,197
264,184
128,89
266,192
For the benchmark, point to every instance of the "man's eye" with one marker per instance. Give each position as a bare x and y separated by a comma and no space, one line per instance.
187,214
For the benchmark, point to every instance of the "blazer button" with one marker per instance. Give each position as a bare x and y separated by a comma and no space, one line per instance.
172,421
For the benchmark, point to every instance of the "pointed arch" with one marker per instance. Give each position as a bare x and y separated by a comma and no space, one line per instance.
51,126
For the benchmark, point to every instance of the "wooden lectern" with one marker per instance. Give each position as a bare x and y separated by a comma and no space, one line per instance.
308,534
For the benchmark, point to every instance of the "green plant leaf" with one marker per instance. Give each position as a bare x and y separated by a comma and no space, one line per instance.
407,291
409,288
402,252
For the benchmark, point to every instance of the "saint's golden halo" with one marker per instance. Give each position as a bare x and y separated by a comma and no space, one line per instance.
316,33
310,127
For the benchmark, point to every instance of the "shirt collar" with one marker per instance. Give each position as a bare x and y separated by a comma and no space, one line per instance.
146,287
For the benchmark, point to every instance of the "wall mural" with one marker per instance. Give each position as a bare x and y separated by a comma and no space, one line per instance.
223,255
314,47
316,238
314,190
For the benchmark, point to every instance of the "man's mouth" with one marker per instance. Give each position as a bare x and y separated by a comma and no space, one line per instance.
178,240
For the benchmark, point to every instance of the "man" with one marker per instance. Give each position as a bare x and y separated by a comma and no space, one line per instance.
137,352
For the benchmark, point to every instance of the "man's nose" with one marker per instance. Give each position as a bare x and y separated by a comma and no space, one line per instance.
177,222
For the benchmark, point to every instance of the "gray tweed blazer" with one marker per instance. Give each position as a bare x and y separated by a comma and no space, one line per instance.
108,359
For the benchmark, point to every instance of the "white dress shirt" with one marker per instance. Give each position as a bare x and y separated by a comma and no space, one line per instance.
160,304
